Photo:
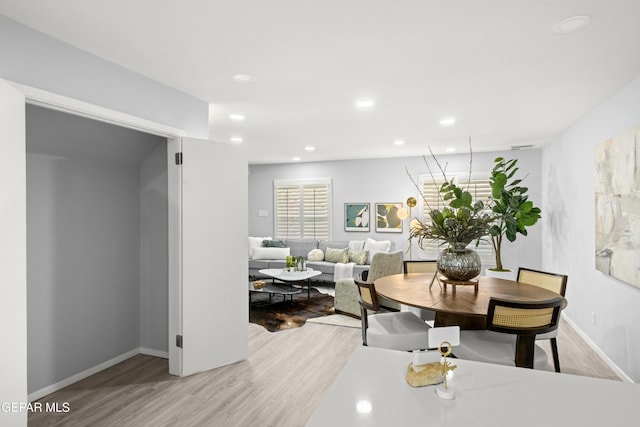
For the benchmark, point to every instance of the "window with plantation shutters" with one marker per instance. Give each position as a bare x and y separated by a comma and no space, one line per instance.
302,209
479,188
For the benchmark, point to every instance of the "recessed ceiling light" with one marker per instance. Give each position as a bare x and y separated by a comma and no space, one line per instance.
398,142
236,117
365,103
447,121
572,24
450,150
309,148
296,159
244,78
236,139
364,407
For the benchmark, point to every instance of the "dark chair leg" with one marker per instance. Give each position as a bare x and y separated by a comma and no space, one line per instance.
525,346
556,358
364,320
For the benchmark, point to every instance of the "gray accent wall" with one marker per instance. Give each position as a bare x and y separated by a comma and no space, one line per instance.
96,246
154,288
605,309
385,180
35,59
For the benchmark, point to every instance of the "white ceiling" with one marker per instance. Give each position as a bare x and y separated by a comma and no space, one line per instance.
495,65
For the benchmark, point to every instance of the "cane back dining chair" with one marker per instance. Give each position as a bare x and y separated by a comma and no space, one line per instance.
555,283
511,331
423,266
398,330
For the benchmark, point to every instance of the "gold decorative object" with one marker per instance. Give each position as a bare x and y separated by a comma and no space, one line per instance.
411,203
423,375
258,284
445,392
430,373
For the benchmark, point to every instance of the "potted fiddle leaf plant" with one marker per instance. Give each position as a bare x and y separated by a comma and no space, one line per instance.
512,209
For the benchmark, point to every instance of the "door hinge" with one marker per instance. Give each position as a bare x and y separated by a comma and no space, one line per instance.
179,341
179,158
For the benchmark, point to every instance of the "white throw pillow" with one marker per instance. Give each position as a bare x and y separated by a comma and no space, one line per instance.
315,255
375,246
356,245
255,242
271,253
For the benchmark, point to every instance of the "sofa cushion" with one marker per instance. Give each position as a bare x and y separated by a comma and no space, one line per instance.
315,255
322,266
278,265
258,264
301,247
375,246
271,253
336,255
359,257
356,245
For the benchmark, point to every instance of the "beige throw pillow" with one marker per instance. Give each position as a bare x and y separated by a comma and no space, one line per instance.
337,255
359,257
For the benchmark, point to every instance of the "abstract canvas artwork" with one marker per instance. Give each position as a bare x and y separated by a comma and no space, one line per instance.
617,200
387,220
356,217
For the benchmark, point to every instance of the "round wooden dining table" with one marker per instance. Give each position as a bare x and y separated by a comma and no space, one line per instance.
465,307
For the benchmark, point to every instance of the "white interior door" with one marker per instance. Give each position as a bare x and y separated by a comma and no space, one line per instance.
13,253
208,308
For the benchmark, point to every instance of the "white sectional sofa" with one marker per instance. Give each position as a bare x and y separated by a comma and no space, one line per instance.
261,257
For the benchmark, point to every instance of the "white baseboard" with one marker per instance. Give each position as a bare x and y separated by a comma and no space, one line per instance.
624,377
94,370
155,353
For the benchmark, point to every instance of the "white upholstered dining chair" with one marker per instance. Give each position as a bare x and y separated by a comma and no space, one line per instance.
382,264
398,330
555,283
511,332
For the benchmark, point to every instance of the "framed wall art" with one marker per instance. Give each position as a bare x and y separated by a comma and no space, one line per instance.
356,216
387,219
617,164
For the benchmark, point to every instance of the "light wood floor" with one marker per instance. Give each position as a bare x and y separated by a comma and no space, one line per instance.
280,384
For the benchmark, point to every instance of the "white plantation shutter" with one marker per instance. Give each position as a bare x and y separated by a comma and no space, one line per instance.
287,207
302,209
479,188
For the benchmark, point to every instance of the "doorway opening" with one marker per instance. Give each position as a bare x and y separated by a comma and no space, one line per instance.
97,227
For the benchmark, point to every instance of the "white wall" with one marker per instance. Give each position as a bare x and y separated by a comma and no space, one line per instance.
569,231
35,59
385,180
13,304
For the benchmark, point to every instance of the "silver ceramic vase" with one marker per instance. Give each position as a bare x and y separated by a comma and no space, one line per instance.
459,264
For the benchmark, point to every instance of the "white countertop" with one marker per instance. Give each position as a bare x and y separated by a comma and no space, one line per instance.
486,395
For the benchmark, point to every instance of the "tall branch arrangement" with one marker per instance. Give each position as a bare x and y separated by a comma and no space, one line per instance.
461,221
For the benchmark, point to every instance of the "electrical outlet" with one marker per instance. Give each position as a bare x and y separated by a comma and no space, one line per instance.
593,317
